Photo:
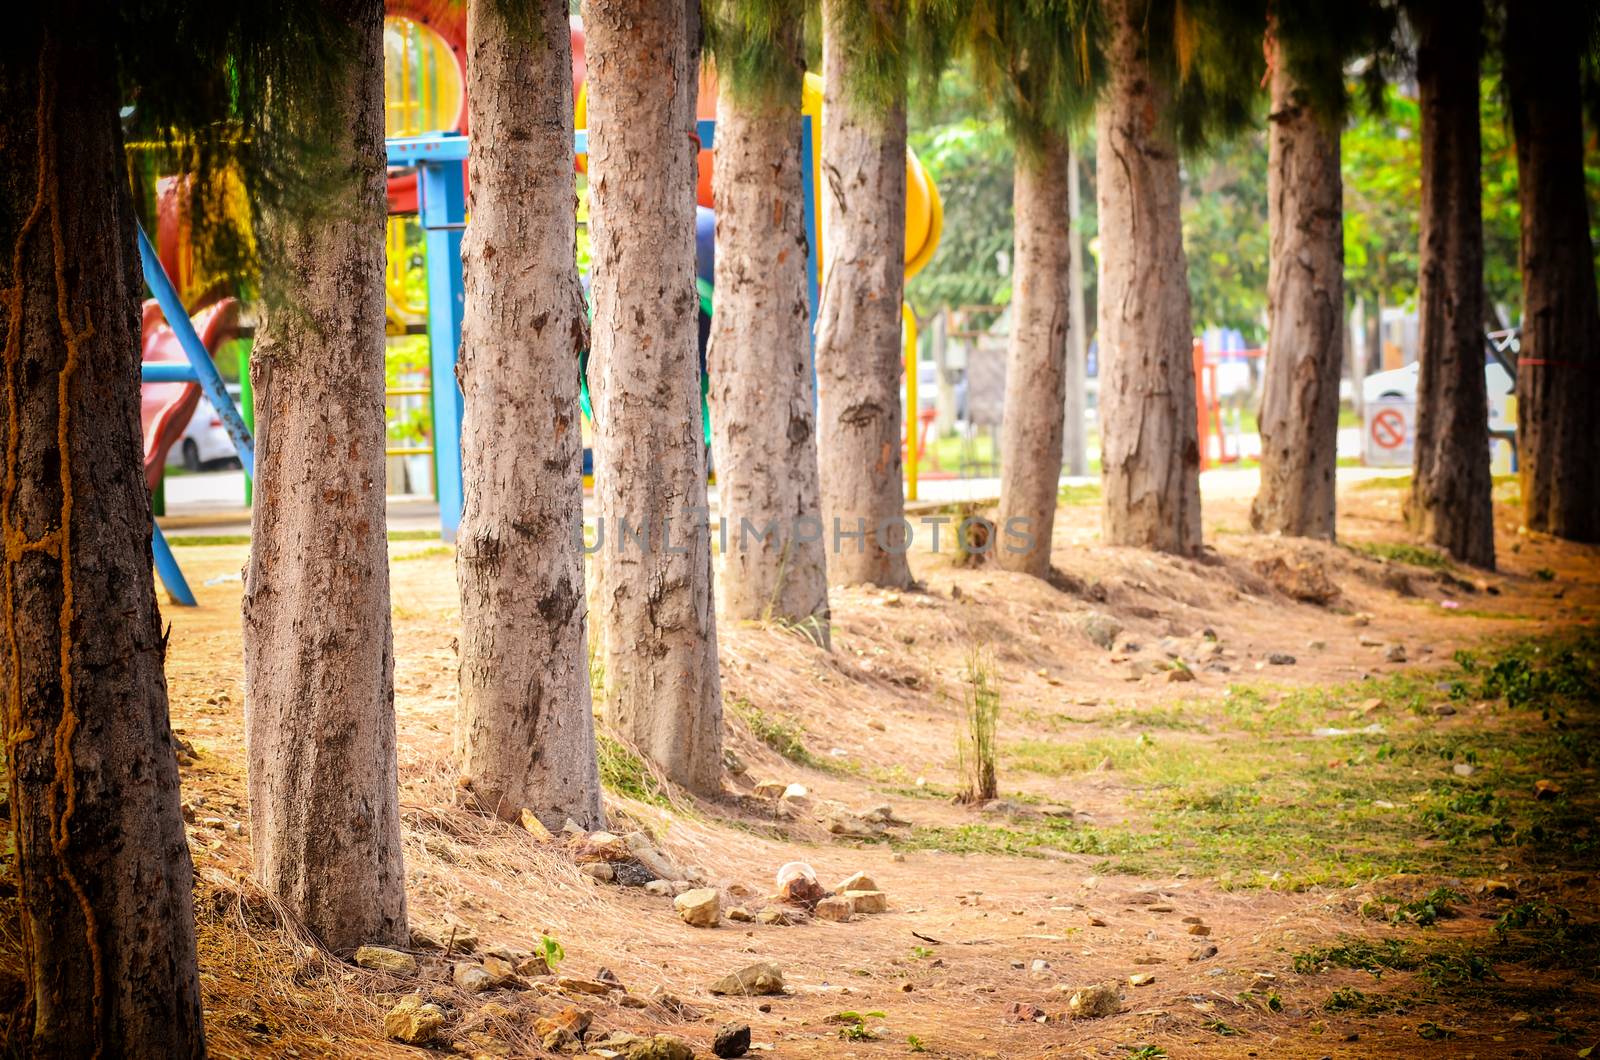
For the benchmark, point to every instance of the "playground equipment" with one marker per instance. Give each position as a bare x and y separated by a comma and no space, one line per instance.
427,150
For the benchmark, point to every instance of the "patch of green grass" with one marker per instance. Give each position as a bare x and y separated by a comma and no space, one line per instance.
623,773
783,735
1401,552
426,553
1386,482
1086,495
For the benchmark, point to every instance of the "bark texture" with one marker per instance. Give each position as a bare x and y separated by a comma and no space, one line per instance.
763,398
1305,311
524,723
859,351
1558,372
1036,360
102,866
659,635
1450,486
1150,460
318,654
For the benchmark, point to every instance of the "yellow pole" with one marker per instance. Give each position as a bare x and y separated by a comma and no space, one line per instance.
909,330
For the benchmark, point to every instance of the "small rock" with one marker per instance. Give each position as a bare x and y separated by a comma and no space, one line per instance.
1039,967
733,763
471,978
646,854
732,1040
568,984
481,1044
1203,953
797,884
413,1022
753,980
1093,1002
1199,929
601,846
867,901
1106,765
568,1025
835,908
660,888
1370,706
660,1047
1463,769
773,917
1095,921
1396,653
1444,710
383,959
1024,1012
1141,979
1497,889
795,793
1101,629
846,824
674,1004
701,907
532,966
500,969
535,827
1546,789
1179,674
741,915
770,789
858,882
599,870
1279,658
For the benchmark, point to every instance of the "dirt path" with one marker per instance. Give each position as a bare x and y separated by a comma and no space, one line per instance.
1225,831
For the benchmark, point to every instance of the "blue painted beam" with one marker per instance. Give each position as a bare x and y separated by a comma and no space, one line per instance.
434,147
205,370
167,566
705,128
167,372
808,197
442,209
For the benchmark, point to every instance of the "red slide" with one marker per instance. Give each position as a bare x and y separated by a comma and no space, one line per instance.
165,408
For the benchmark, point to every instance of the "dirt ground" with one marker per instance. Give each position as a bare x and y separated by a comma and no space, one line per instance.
1297,816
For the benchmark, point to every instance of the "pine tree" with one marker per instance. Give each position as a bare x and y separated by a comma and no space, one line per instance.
1450,503
657,620
763,390
1558,372
525,728
1309,44
1033,59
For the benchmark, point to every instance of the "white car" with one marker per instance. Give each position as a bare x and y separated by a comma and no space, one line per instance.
205,440
1402,383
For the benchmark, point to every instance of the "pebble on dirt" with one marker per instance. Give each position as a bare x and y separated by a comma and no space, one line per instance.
1093,1002
732,1040
753,980
701,907
383,959
413,1022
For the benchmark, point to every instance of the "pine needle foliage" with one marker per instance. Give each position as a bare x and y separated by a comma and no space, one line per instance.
758,47
899,43
213,88
1209,52
1321,39
1033,58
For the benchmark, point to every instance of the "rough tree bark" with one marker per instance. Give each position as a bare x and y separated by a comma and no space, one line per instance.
524,724
763,420
1150,456
102,863
1036,360
859,351
659,635
1450,487
1305,310
1558,372
318,654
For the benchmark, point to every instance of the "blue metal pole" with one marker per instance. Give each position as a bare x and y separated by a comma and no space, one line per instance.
205,372
442,209
167,566
808,196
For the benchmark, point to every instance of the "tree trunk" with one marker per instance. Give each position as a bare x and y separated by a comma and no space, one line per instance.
1150,455
103,873
1450,487
524,724
859,350
1558,372
659,634
763,421
318,655
1036,360
1305,312
1075,440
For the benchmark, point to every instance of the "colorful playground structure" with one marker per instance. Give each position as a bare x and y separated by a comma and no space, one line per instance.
427,188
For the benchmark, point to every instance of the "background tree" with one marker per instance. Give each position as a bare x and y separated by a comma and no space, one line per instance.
658,627
1558,372
525,727
859,356
1309,44
318,652
763,393
102,862
1450,487
1033,60
1172,76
